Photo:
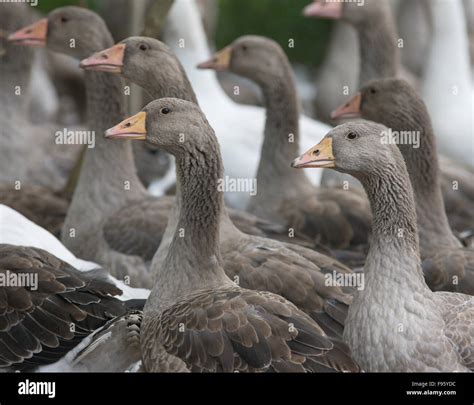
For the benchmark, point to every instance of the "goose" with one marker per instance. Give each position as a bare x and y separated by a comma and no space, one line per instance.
416,330
338,218
380,58
395,104
415,27
105,220
375,29
48,163
240,127
226,327
27,185
339,71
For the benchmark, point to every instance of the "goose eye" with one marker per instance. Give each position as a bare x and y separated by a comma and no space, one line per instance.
165,110
244,48
143,47
64,19
373,91
352,136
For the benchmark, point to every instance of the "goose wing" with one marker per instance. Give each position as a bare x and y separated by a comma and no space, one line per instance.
308,280
450,270
47,314
137,228
235,329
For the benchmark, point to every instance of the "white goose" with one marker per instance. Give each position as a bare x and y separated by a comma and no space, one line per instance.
238,127
447,87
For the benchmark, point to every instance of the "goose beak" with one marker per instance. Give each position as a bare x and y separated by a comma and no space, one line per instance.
32,35
351,109
318,156
219,62
321,9
109,60
132,128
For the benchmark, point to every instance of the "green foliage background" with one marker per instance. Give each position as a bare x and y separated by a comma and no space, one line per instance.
277,19
47,5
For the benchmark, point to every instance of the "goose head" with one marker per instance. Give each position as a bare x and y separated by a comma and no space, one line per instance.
355,12
141,60
255,57
356,148
13,60
388,101
168,123
69,30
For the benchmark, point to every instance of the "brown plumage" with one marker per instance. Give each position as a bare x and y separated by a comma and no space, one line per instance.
233,329
39,325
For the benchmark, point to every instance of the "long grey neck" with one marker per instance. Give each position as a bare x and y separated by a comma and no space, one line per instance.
193,261
281,136
394,229
379,52
108,176
16,137
423,168
280,143
179,87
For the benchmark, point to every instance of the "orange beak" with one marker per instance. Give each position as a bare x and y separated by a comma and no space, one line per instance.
219,62
320,156
321,9
351,109
132,128
109,60
32,35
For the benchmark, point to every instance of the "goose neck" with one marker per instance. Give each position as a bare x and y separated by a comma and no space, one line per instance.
394,227
193,260
378,48
422,164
